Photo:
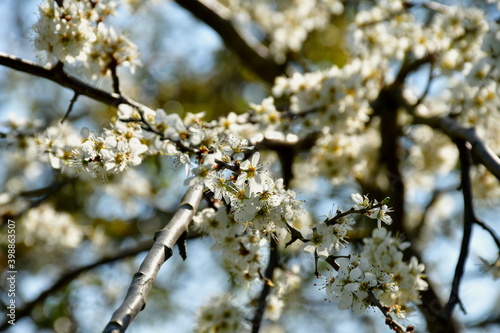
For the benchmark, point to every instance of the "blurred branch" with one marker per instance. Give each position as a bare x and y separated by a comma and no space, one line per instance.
255,57
489,230
44,193
458,131
469,218
72,275
266,289
70,107
161,251
431,305
436,195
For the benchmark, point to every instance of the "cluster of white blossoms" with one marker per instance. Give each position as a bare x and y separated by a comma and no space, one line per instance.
349,286
221,316
226,314
286,23
113,151
285,282
380,270
324,238
328,237
385,252
47,229
336,104
243,252
74,30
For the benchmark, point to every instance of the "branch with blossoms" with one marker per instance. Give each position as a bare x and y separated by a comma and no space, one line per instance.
389,320
386,311
57,75
373,210
365,207
75,32
376,277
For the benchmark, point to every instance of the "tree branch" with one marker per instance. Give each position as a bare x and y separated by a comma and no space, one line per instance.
72,275
389,320
266,289
161,251
469,218
70,107
490,230
256,58
456,131
58,75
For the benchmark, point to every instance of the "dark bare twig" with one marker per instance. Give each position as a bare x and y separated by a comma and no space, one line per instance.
469,218
59,76
72,275
70,107
437,193
353,210
161,251
489,230
44,193
266,289
181,245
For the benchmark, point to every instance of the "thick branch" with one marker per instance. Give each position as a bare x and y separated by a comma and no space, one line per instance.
72,275
256,58
469,218
59,76
161,251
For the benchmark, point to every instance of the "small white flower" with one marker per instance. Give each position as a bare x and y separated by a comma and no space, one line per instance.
380,214
361,201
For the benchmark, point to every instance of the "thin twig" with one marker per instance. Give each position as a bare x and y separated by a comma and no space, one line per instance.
161,251
436,194
350,212
490,230
70,107
469,218
266,288
390,321
295,235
